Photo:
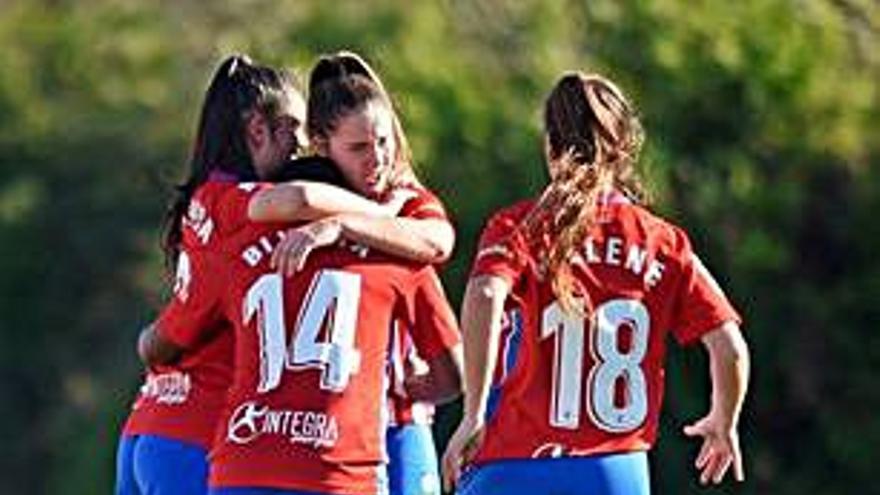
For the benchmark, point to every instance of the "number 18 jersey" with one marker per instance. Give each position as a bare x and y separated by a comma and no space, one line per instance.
590,381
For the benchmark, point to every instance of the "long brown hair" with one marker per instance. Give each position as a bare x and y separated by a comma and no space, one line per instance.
342,83
593,139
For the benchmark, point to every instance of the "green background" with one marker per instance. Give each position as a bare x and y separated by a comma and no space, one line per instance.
763,141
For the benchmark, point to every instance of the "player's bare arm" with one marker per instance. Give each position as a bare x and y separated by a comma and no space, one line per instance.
481,313
426,240
729,365
154,349
481,327
358,219
305,200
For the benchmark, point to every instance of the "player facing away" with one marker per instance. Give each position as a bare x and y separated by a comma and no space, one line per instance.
307,402
599,282
351,121
252,119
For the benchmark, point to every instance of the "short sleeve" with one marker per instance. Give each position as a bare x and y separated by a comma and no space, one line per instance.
433,327
424,205
502,250
701,304
232,206
196,306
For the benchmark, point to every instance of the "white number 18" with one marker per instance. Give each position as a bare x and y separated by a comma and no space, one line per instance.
610,366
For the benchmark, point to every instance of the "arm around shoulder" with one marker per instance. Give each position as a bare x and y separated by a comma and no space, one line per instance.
305,200
427,240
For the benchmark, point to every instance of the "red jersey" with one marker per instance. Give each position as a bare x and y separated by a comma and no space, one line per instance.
423,205
593,385
403,359
306,406
403,355
184,401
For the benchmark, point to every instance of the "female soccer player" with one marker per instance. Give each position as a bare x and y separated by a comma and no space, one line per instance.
170,334
251,121
367,143
599,282
376,166
306,406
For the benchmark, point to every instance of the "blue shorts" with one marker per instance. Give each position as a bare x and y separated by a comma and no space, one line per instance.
614,474
413,467
152,465
259,491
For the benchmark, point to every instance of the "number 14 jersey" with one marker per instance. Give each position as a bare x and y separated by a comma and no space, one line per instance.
306,410
591,381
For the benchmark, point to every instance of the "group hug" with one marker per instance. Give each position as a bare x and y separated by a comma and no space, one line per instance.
308,336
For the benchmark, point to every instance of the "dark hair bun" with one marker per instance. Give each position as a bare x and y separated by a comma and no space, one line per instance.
339,65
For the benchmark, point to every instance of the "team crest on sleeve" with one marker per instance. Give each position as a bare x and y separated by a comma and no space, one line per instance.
182,277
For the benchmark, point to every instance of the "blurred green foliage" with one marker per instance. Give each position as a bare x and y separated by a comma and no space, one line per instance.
762,119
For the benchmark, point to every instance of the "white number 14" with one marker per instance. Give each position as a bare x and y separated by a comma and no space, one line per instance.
334,298
610,366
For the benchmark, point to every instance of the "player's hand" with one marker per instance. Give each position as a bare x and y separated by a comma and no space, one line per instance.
720,449
417,383
417,387
291,253
461,450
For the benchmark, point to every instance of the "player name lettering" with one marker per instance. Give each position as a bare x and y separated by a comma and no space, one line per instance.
251,421
615,251
262,248
167,388
198,220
